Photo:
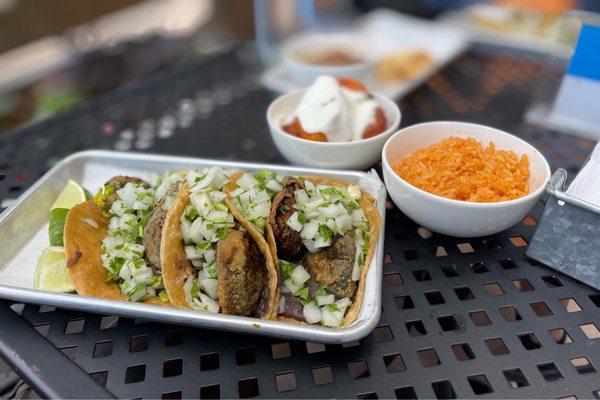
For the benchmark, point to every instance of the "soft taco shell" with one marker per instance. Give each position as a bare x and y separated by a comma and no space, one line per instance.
367,203
83,247
176,268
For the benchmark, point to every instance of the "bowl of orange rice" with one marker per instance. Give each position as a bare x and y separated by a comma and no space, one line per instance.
463,179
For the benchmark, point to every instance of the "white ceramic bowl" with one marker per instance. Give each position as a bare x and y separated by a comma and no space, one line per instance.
304,73
454,217
359,154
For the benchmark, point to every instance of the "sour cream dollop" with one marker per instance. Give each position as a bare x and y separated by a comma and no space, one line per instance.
339,112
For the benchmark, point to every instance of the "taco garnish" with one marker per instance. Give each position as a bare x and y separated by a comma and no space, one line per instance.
212,263
322,228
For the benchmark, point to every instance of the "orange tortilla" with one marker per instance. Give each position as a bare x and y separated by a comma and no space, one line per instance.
87,272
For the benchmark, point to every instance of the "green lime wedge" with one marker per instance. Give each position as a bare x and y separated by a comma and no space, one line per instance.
56,226
71,195
51,271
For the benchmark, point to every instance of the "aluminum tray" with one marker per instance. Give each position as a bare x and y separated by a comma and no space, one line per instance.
23,236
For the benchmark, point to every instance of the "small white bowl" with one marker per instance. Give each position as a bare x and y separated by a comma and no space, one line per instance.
359,154
454,217
304,73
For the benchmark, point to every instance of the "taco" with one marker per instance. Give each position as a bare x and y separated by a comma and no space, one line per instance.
322,233
211,260
112,243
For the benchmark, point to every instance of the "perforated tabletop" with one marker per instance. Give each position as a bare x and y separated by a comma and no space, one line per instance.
461,318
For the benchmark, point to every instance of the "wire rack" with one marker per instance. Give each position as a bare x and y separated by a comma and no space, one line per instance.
461,317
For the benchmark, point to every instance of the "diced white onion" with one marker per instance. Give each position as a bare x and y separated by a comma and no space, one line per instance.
343,303
299,275
206,232
139,205
301,196
195,231
217,216
111,242
333,210
202,202
246,181
281,307
191,177
192,253
124,273
321,242
216,195
291,286
127,194
274,185
210,286
209,255
236,192
310,245
293,222
354,192
358,216
331,318
312,313
211,305
113,223
309,231
314,203
324,300
184,227
343,223
204,182
310,187
219,179
262,196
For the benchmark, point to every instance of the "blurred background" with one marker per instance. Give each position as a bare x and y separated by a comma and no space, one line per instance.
55,54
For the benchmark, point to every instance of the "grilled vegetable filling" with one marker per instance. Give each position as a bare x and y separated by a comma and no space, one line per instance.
129,202
205,221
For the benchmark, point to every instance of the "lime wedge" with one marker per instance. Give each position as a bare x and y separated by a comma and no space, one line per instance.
51,271
71,195
56,226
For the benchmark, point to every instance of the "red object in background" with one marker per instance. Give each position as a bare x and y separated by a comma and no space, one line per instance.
376,126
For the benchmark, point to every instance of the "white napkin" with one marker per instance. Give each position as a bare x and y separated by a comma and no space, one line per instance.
586,185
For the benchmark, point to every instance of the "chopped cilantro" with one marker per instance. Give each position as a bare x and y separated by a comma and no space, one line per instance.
333,307
302,218
190,213
325,232
163,296
211,270
203,245
286,268
302,293
320,291
222,232
194,291
156,282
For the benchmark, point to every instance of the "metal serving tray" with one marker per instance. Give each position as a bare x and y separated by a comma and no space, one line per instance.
23,236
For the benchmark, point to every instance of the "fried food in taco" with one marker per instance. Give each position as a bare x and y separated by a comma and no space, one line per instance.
112,242
322,233
211,261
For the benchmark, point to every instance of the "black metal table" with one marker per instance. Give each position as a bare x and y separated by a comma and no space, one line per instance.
461,318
